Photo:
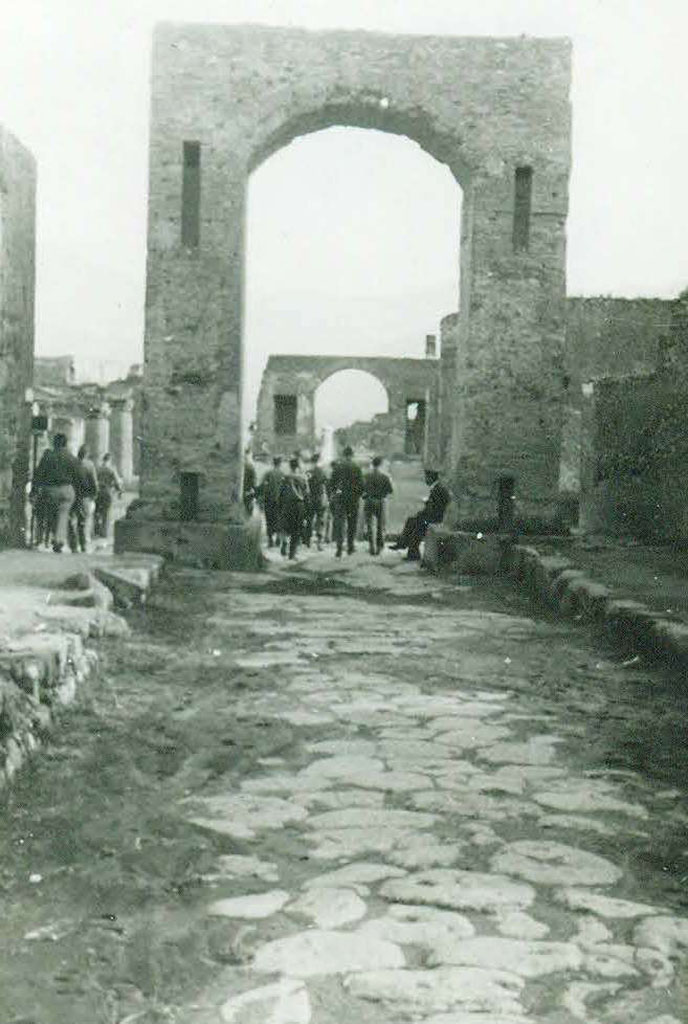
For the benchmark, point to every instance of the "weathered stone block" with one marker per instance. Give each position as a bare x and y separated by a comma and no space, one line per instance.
209,545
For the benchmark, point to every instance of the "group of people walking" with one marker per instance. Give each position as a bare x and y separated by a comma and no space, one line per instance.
300,505
71,497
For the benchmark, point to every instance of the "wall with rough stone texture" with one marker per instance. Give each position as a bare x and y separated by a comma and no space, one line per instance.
17,276
405,380
613,337
482,106
635,434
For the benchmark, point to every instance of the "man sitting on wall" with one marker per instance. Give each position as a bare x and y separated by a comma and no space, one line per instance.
433,510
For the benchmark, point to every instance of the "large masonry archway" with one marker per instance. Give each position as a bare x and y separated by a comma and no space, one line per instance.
496,111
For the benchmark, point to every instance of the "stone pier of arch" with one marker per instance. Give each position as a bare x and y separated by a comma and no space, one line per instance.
224,98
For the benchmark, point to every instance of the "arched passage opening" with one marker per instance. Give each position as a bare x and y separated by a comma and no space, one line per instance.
349,407
352,249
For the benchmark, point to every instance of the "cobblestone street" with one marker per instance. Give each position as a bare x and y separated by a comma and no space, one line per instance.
391,799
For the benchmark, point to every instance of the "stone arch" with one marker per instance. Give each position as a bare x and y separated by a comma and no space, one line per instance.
404,380
495,110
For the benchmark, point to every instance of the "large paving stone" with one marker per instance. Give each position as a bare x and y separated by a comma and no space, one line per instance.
538,750
572,795
329,908
603,906
610,960
332,799
529,959
326,952
343,767
243,815
446,988
367,817
459,890
470,735
285,1002
257,905
426,927
547,863
235,865
424,852
477,806
516,924
350,843
360,874
665,933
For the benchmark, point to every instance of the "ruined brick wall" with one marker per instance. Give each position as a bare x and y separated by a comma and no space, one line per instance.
488,108
405,380
613,337
635,458
17,275
53,371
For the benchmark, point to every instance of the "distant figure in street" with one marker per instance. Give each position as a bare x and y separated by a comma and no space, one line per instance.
376,489
292,507
81,518
248,487
433,511
317,502
269,496
108,483
55,484
346,487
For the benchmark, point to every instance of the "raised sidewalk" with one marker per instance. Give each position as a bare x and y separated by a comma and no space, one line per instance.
638,593
49,606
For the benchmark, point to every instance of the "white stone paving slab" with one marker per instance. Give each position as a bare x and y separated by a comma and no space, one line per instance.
577,823
235,865
426,927
329,907
242,815
666,933
529,959
332,799
547,863
350,843
578,993
371,817
602,905
459,890
445,988
255,906
343,767
425,852
609,960
470,735
319,951
285,1002
516,924
360,873
538,750
587,795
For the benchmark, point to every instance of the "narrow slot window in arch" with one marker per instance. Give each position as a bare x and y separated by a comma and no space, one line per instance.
191,195
523,191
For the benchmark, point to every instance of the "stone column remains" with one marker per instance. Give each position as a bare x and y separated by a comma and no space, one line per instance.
122,436
97,432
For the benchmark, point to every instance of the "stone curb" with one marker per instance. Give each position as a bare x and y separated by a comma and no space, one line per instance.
562,587
41,671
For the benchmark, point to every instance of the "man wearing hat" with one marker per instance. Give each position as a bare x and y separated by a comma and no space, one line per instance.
346,488
268,492
433,510
376,489
317,501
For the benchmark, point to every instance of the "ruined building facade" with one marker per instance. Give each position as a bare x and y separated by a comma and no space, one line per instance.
17,282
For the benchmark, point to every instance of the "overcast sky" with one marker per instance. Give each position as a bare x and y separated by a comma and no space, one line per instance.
352,235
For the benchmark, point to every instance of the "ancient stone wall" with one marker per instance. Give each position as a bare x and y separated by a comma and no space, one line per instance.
405,380
496,111
634,437
17,277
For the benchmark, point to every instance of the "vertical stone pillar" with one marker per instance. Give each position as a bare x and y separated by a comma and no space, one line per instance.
122,436
509,390
97,433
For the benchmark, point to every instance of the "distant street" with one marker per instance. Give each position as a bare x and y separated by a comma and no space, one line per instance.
350,793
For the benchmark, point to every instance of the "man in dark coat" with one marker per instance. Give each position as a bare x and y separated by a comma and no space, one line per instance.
346,488
433,511
376,489
269,495
317,501
81,519
56,479
292,507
